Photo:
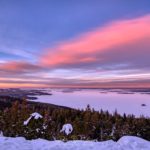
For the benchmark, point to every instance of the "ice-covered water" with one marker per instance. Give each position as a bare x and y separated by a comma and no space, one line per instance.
124,103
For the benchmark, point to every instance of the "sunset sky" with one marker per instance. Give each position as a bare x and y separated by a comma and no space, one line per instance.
74,43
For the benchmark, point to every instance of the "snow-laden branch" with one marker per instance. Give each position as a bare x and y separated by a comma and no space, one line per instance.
35,116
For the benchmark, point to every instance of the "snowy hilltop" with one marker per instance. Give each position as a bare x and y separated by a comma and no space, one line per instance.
125,143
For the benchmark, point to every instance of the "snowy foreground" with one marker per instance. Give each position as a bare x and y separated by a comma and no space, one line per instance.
125,143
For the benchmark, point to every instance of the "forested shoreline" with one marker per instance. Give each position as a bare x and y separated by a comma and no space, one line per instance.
87,124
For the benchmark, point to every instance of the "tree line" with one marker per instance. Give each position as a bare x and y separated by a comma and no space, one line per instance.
87,124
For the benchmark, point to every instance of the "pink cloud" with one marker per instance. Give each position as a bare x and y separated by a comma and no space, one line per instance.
84,48
21,67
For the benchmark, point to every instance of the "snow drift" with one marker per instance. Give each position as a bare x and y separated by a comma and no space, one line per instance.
125,143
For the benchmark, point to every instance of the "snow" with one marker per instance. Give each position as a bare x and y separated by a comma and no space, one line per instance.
133,143
1,133
125,143
67,129
34,115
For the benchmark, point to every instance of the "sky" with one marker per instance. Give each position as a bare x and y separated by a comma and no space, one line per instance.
74,43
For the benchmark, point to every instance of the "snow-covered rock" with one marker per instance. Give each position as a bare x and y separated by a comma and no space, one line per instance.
125,143
67,129
34,115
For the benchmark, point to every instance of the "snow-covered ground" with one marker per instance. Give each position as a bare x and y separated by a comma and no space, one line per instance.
125,143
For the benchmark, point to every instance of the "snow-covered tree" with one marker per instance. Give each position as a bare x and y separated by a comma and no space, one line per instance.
1,134
35,116
33,126
67,129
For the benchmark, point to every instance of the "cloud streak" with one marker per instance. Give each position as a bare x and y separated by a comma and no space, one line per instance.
17,67
100,46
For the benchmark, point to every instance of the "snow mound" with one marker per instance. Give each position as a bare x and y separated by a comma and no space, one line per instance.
67,129
34,115
133,143
125,143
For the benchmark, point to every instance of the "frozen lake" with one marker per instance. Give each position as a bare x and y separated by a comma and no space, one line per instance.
124,103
